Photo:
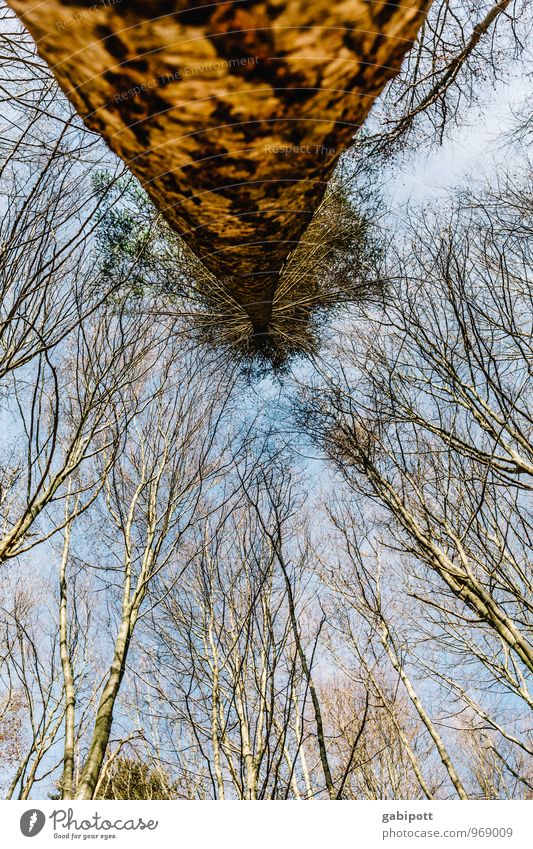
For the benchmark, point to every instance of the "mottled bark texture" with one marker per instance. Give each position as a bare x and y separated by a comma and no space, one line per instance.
232,115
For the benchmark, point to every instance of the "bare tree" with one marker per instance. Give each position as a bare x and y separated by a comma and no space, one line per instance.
31,679
426,417
166,423
241,651
230,671
428,412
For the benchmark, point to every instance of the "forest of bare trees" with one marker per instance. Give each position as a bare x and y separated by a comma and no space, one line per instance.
296,570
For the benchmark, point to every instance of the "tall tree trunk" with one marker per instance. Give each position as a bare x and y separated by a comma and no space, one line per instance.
104,715
232,115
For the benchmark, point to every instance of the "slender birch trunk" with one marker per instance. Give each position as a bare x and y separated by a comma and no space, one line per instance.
67,782
104,716
390,648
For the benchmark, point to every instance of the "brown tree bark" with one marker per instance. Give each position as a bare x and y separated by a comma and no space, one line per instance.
232,115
